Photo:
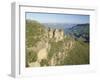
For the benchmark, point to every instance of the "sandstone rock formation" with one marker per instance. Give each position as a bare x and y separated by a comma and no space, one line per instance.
56,34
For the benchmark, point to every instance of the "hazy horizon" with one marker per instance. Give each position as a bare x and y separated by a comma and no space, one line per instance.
58,18
57,22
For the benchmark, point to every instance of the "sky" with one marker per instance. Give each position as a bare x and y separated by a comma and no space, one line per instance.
57,18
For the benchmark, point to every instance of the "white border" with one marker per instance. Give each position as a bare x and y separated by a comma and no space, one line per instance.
19,58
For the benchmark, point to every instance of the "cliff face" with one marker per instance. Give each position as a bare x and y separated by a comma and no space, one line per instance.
56,34
51,47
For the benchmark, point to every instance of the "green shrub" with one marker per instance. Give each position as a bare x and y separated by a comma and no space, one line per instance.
44,62
34,30
78,55
31,56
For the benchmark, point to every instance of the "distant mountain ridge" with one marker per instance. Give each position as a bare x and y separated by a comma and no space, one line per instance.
80,31
59,25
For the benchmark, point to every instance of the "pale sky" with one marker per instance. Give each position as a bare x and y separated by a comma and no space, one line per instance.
58,18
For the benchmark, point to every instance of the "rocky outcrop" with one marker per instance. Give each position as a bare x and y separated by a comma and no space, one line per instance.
43,47
56,34
47,44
